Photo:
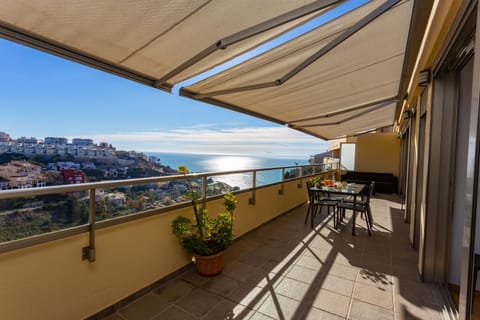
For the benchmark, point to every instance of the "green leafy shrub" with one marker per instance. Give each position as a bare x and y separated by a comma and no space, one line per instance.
206,235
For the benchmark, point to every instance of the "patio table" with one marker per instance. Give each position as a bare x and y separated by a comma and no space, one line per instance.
351,189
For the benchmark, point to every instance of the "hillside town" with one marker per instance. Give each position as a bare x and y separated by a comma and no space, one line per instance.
31,162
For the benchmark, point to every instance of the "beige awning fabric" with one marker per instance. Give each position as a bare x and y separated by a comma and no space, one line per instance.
147,40
352,87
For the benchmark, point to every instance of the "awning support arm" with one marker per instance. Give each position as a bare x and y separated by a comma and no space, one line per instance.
248,33
320,53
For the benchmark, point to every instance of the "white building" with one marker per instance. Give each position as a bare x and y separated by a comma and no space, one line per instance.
22,174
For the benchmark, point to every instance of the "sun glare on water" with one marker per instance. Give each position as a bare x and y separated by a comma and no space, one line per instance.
231,163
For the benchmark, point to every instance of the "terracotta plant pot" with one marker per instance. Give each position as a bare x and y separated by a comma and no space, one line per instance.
209,266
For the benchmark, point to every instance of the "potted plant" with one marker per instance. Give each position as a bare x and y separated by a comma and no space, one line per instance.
315,181
206,237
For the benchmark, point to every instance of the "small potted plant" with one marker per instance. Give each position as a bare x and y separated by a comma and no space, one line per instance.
315,181
206,237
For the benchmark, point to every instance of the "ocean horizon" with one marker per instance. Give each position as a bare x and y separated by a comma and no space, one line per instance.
222,162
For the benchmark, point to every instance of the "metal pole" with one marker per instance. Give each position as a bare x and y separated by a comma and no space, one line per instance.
89,252
300,175
282,188
204,191
254,187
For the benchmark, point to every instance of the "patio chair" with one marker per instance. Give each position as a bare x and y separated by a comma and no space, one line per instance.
365,201
316,202
362,206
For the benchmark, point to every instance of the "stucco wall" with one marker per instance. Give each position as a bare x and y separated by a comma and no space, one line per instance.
378,152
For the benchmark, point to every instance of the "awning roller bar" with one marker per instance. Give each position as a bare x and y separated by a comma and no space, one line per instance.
356,115
332,114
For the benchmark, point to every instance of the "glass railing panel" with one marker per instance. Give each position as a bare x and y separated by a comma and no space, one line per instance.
308,171
124,200
29,216
292,173
221,184
266,177
56,209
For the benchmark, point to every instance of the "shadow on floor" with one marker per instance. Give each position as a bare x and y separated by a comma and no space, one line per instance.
286,270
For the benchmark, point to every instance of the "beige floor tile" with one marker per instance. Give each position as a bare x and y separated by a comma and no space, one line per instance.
406,272
377,266
145,307
317,314
249,296
199,302
280,307
253,259
338,285
349,257
374,295
259,316
174,313
293,289
262,278
364,311
191,276
114,317
318,253
303,274
310,262
174,290
416,297
376,279
379,256
240,271
228,310
343,271
332,302
406,313
221,285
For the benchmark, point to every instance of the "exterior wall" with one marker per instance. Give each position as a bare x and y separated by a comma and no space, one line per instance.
378,152
58,285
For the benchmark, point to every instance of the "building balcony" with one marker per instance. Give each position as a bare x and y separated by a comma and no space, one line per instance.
278,268
286,270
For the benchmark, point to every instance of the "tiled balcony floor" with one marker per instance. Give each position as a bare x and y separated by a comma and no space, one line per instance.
286,270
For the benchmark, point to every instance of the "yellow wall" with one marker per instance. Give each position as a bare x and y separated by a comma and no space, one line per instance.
50,281
378,152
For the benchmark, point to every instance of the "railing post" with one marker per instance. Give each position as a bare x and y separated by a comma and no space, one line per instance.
204,191
89,252
282,188
254,188
300,175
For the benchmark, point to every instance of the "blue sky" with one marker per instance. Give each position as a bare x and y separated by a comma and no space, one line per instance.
43,95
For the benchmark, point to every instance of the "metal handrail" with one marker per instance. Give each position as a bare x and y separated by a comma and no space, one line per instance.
38,191
89,251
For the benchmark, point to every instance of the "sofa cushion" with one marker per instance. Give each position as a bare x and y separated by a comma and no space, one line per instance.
384,182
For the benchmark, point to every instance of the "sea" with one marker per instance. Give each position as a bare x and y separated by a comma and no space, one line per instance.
221,163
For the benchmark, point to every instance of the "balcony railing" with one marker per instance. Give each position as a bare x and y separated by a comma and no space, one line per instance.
38,215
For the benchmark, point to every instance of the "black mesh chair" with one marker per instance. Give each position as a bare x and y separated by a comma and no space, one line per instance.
362,206
316,201
365,201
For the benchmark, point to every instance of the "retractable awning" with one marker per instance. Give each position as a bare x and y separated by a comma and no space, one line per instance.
155,42
340,79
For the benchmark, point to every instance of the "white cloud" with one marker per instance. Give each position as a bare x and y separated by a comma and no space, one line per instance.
257,141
